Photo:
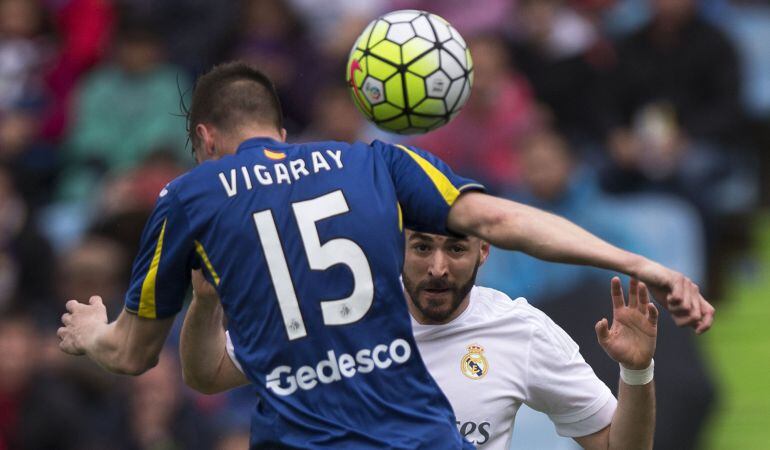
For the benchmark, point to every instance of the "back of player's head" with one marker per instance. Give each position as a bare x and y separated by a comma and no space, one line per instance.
234,95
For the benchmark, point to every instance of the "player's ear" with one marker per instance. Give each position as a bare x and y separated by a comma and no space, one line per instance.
484,250
283,134
206,138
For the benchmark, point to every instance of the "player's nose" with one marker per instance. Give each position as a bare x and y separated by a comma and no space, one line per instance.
438,265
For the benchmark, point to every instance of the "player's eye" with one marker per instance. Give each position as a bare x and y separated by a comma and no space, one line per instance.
421,248
458,249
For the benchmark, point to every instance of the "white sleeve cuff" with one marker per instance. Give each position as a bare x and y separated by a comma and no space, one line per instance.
231,352
590,420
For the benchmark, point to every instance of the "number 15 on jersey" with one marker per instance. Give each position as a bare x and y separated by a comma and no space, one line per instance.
320,256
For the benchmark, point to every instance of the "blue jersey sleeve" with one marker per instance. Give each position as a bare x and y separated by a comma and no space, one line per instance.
425,186
161,272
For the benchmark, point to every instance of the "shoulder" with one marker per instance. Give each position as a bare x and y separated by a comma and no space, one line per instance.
519,314
498,304
398,153
325,144
378,144
357,148
388,147
192,183
183,181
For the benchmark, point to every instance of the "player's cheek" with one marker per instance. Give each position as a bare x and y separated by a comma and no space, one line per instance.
462,269
417,267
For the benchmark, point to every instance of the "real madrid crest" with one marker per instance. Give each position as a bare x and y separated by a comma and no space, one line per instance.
473,364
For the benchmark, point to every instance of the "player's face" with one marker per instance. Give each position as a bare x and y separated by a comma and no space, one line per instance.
439,272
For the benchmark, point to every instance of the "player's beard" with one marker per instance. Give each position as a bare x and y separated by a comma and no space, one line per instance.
434,310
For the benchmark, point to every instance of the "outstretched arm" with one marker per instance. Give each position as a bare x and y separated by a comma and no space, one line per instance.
206,366
631,342
159,280
130,345
514,226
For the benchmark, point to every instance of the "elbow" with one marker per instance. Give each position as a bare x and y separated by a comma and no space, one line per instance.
134,366
483,216
497,226
131,362
498,218
201,384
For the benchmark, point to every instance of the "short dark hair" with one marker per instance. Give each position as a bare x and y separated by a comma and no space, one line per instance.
231,95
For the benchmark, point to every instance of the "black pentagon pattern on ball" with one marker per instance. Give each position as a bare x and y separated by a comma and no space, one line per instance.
439,45
420,122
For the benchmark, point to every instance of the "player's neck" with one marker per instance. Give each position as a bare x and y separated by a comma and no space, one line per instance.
228,144
245,133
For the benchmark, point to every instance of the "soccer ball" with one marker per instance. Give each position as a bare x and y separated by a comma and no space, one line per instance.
410,72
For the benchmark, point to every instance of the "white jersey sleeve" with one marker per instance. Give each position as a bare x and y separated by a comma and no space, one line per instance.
562,385
231,351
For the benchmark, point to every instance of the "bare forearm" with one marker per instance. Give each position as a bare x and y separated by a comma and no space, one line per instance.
126,346
206,366
202,344
514,226
103,349
633,425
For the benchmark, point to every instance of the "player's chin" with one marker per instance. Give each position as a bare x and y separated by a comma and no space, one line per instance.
436,306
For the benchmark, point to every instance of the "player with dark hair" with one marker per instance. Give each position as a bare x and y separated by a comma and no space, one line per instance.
304,244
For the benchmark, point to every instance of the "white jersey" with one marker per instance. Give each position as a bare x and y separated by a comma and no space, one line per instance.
500,353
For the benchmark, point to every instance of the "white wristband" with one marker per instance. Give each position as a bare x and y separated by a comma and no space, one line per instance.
637,377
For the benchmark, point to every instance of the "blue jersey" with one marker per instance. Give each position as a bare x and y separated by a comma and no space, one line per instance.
304,244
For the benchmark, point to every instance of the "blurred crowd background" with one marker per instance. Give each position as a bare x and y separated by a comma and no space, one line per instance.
645,121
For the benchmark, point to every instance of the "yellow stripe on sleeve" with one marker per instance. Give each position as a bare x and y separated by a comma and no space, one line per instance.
147,299
442,183
400,217
207,262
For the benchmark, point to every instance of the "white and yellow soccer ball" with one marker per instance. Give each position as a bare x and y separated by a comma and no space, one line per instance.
410,72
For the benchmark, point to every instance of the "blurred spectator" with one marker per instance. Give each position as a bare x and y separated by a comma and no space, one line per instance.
335,117
117,208
96,266
125,110
675,123
34,162
657,154
482,141
273,38
160,416
72,405
485,16
127,199
622,17
17,345
26,266
748,23
680,60
25,48
561,53
334,25
37,411
84,29
137,189
197,33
